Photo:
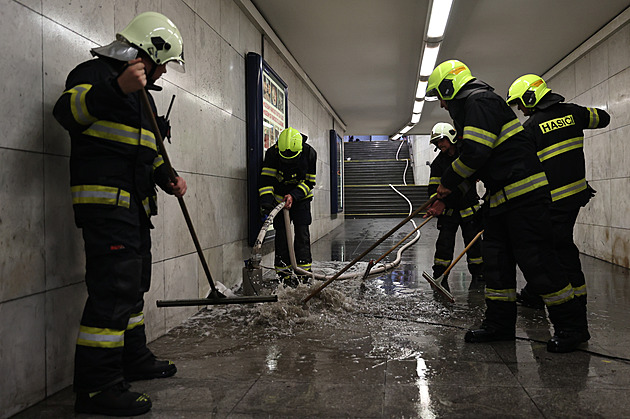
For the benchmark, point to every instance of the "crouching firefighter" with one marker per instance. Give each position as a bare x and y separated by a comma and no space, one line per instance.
288,175
115,165
517,223
459,209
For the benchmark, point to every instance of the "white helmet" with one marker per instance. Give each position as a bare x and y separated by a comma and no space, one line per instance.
443,130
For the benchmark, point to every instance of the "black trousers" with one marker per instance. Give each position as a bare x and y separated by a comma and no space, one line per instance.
445,244
300,215
118,273
523,236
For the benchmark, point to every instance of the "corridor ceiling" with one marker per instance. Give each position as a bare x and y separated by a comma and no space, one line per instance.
364,55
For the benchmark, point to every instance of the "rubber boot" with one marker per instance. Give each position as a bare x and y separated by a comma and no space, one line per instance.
499,324
488,333
116,400
148,369
570,325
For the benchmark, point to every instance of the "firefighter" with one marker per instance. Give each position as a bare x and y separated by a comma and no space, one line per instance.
288,175
454,211
517,224
115,165
558,131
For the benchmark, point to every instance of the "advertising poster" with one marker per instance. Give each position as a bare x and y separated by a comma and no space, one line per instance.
274,114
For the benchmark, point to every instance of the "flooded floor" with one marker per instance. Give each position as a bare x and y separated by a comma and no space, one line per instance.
387,347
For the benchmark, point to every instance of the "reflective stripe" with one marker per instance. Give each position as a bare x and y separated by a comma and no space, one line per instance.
101,338
122,133
304,188
435,194
461,169
511,128
508,295
268,171
518,188
568,190
480,136
580,291
157,162
78,106
475,261
278,198
593,118
467,212
135,320
441,262
146,206
305,266
265,190
97,194
434,181
559,297
310,177
448,212
561,147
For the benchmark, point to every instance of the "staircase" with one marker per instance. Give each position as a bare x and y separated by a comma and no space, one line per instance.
369,168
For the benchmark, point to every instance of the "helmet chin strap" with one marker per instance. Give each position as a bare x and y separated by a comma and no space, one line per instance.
150,84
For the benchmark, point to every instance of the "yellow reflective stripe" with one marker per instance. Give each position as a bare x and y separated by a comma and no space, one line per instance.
310,177
305,266
78,106
579,291
518,188
282,268
97,194
434,180
568,190
146,206
593,118
441,262
467,212
122,133
508,130
157,162
558,297
135,320
508,295
561,147
480,136
278,198
265,190
435,194
461,169
268,171
475,261
101,338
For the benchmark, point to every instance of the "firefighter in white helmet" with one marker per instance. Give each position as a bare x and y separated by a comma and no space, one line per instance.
461,209
115,164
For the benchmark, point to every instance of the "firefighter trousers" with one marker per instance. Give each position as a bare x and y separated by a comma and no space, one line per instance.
112,331
523,236
300,214
445,244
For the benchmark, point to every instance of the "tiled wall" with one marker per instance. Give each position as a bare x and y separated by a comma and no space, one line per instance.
601,78
41,255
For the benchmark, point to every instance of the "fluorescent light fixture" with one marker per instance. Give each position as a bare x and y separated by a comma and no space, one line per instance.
422,89
417,106
429,58
440,11
397,136
406,129
415,118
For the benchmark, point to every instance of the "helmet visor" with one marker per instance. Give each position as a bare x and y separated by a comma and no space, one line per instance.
176,65
289,154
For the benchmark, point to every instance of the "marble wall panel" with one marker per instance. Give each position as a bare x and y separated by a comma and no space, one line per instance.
184,128
181,278
94,20
564,83
23,361
154,316
602,244
36,5
598,154
620,242
22,266
600,206
232,266
619,100
210,12
232,81
210,123
233,148
620,152
208,77
583,237
583,74
251,40
620,203
599,64
64,307
230,19
184,18
214,259
21,106
157,233
65,255
209,216
126,10
618,56
177,238
233,210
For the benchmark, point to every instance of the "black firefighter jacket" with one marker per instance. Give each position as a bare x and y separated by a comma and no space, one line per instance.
280,177
558,129
114,161
495,149
464,200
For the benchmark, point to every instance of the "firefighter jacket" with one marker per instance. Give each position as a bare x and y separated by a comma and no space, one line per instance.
465,202
114,160
558,129
495,149
280,177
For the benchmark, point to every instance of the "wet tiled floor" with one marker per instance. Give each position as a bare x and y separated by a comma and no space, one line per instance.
389,348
